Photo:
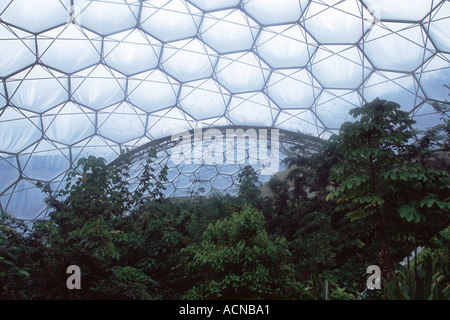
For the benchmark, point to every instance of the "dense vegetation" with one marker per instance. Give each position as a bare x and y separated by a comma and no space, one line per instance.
376,193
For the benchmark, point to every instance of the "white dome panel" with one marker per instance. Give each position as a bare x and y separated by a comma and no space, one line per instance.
131,52
340,67
68,123
242,72
403,10
106,16
291,88
208,5
121,123
338,23
69,48
38,89
98,87
18,50
188,60
229,31
151,91
45,161
35,15
253,108
170,20
8,171
285,46
333,107
18,131
397,47
269,12
204,99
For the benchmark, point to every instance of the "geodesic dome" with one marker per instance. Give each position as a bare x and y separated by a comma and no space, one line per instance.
83,77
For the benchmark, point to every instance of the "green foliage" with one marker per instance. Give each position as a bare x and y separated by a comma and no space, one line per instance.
237,260
249,185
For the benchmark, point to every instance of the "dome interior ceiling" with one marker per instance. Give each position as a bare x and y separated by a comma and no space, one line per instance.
83,77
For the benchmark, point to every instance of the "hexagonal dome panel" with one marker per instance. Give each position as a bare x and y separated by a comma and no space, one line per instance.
228,31
107,16
38,89
397,47
336,21
154,90
242,72
170,20
20,129
98,87
131,52
21,44
44,161
269,12
438,27
208,5
340,67
252,109
68,123
204,99
285,46
291,88
400,10
188,60
35,15
121,123
69,48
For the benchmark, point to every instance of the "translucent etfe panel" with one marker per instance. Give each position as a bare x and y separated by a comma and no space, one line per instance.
18,50
35,15
25,202
131,52
434,75
426,117
249,109
8,171
204,99
69,48
122,122
208,5
333,106
397,46
242,72
107,16
340,67
68,123
154,90
275,12
44,161
398,87
188,60
170,20
291,88
19,129
98,87
166,123
439,27
403,10
96,146
285,46
228,31
303,121
2,95
38,89
336,21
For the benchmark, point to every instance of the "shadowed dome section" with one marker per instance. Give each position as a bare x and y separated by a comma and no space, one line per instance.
82,77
